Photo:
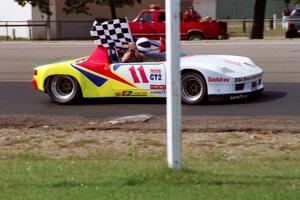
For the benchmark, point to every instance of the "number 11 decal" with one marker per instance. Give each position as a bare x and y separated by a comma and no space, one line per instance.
135,76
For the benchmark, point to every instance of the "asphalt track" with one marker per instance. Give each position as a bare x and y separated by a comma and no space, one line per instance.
280,61
20,98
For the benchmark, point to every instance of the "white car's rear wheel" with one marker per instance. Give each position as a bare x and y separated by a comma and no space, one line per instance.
63,89
193,88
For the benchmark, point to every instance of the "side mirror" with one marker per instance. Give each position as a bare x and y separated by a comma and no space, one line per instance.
141,20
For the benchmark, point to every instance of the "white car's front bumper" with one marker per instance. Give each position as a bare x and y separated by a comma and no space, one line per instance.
237,88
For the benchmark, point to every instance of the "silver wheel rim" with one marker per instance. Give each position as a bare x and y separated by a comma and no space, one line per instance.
63,87
196,39
192,88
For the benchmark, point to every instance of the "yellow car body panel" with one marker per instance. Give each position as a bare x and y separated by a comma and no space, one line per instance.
88,88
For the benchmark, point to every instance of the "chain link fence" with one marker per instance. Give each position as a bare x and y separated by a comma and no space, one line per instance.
75,30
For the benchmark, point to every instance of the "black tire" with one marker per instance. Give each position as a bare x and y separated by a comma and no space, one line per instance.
193,88
196,36
63,89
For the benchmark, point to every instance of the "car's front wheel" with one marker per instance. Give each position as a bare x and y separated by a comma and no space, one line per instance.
63,89
193,88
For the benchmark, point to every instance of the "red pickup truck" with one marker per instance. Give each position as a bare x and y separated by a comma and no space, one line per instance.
151,24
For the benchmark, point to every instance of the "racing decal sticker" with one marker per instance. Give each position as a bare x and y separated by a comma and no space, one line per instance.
143,75
233,63
108,74
97,80
157,87
218,80
155,74
159,93
132,94
249,78
239,96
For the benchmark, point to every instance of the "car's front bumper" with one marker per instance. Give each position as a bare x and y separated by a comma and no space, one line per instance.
235,96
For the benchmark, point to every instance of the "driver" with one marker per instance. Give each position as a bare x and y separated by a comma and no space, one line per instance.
143,44
153,51
136,52
132,54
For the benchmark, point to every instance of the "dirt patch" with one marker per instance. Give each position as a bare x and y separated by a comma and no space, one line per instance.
216,138
191,123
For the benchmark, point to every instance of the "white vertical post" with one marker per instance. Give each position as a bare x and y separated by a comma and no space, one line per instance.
173,84
274,21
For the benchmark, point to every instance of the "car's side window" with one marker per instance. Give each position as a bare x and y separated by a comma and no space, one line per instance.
161,17
146,17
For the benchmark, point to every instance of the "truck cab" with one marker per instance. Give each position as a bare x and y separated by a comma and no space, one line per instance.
151,24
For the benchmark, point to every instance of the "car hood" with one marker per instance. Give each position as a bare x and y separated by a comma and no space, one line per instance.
235,66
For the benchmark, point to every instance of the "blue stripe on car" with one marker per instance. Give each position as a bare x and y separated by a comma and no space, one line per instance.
115,67
97,80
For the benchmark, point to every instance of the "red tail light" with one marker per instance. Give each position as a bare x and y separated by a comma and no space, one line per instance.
35,85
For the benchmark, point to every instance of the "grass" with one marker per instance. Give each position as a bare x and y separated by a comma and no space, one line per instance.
238,32
4,38
34,177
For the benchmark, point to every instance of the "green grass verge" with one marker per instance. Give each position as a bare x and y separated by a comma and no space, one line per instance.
238,32
4,38
30,177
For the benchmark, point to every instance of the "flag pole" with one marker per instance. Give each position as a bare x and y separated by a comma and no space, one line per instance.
173,84
129,30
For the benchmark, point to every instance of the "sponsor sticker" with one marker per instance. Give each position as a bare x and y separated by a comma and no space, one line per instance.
133,94
157,87
218,80
155,71
240,96
155,74
158,92
248,78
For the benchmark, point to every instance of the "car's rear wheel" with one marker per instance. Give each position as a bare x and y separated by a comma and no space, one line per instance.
193,88
63,89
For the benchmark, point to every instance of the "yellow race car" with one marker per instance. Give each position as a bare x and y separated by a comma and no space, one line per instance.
96,77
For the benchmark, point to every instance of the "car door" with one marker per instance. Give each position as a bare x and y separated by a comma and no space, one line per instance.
147,79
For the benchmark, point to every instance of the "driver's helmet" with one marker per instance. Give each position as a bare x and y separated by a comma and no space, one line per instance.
143,44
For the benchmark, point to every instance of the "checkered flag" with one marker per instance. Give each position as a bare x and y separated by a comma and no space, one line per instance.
111,33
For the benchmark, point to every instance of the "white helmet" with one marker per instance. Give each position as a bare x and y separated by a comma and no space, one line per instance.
143,44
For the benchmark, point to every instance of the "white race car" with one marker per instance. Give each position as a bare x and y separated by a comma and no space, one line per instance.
212,77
